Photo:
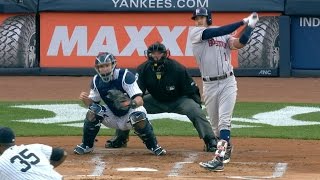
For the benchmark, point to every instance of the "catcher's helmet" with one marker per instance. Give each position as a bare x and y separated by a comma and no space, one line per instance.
105,58
202,11
157,47
7,136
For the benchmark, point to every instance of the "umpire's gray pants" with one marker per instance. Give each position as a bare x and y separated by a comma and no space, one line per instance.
185,106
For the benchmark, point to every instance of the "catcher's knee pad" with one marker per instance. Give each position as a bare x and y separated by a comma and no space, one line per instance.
138,120
92,117
143,128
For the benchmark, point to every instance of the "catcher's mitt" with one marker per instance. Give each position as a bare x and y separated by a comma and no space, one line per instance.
119,100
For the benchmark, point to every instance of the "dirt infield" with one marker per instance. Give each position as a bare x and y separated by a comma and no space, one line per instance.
253,158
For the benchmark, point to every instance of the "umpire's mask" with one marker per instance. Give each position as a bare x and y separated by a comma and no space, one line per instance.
157,54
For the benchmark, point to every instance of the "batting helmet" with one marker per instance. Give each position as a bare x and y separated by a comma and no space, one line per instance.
157,47
202,11
105,58
7,136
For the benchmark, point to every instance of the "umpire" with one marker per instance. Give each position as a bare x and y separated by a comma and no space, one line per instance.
169,89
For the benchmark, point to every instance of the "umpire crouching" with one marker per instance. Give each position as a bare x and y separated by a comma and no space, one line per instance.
170,89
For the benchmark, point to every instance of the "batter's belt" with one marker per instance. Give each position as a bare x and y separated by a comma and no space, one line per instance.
207,78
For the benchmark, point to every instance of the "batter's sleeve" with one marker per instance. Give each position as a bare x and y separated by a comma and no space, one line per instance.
94,94
130,85
196,34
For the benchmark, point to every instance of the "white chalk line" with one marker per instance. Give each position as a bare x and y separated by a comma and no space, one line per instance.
179,165
279,171
99,167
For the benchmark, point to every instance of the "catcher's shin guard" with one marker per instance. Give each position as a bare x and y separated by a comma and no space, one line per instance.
90,131
144,130
119,140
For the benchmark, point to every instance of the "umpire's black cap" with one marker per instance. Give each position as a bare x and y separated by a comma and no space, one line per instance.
6,136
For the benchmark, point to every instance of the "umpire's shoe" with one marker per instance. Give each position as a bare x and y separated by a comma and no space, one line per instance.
159,151
227,156
210,144
116,143
120,139
82,149
214,165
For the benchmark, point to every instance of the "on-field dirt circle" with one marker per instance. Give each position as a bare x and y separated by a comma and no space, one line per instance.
253,158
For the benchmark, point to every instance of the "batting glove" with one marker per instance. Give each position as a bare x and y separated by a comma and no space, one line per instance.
254,18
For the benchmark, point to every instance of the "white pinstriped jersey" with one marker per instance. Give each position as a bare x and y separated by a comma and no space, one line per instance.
213,55
27,162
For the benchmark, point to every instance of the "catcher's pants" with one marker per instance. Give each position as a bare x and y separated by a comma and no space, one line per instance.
220,98
185,106
123,122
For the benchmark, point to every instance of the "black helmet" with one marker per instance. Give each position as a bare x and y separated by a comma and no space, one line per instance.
202,11
157,47
105,58
7,136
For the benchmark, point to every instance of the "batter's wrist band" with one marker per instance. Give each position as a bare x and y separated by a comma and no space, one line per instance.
246,35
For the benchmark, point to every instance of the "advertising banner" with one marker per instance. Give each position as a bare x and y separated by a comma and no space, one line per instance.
18,41
305,36
160,5
72,40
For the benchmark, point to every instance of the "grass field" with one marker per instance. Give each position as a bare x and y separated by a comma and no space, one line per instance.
272,120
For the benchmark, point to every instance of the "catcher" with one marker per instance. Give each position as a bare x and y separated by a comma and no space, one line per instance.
123,110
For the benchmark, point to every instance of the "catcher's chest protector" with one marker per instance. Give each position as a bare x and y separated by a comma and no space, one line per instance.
104,87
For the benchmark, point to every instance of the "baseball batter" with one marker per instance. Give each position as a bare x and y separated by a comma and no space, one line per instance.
212,49
33,161
118,89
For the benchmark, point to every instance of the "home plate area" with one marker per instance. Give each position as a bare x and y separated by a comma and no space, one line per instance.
252,158
134,163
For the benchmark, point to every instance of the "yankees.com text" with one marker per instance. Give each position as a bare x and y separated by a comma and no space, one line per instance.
160,3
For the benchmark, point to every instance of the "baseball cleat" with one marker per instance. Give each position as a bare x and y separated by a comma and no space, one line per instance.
215,165
227,156
120,139
82,149
159,151
115,144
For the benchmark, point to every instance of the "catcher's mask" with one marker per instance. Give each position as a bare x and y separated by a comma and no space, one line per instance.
157,48
202,11
105,58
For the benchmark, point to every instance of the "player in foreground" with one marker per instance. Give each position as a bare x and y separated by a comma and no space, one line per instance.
28,162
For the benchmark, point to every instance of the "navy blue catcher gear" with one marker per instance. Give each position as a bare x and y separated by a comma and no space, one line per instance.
144,130
105,58
202,11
